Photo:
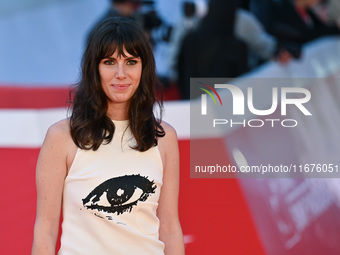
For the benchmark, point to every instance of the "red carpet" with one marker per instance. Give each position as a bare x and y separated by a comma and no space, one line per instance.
214,215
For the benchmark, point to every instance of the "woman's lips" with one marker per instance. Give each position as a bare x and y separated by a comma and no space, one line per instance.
120,86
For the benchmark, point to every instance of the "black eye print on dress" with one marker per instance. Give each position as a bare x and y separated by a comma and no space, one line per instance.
120,194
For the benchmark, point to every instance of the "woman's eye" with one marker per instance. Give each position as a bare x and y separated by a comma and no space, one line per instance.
132,62
109,62
120,194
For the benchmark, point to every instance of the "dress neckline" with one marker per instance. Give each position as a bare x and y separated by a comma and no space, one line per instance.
120,125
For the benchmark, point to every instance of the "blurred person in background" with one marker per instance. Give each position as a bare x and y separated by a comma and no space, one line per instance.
241,25
211,49
244,4
294,21
118,8
190,19
262,9
261,45
122,8
329,11
334,11
143,12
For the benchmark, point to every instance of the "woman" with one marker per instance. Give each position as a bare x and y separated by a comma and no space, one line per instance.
112,166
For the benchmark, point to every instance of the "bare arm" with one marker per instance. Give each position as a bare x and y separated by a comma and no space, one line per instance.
51,171
170,229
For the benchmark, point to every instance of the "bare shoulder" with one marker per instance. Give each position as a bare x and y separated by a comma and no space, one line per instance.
60,128
58,141
170,132
59,132
168,145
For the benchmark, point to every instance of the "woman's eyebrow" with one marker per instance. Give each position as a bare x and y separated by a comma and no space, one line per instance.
111,58
128,58
132,57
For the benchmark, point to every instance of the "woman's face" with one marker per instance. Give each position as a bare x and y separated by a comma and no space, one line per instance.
120,77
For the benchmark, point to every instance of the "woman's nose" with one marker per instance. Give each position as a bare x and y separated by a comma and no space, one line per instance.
120,72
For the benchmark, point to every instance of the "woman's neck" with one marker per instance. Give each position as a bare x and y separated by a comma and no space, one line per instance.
118,112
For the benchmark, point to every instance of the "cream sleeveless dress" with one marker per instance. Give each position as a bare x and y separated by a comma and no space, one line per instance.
110,200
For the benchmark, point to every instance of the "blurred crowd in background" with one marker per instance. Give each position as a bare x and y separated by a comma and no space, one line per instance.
219,38
190,38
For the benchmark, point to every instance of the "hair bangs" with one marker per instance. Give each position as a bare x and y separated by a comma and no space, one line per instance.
122,43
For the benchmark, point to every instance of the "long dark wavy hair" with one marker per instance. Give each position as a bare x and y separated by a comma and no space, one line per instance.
90,126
